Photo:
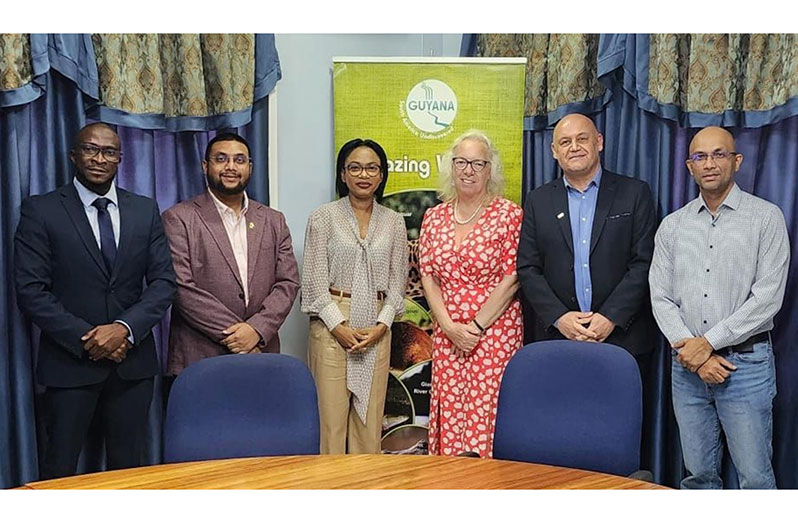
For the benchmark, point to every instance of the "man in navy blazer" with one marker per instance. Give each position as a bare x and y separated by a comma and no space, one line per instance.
586,246
81,255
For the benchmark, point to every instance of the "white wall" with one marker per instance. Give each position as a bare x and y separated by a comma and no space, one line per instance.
304,129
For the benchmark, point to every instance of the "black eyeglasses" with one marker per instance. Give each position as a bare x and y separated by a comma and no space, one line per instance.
238,159
715,155
355,169
111,154
461,163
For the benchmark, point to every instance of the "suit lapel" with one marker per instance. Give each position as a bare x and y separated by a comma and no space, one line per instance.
126,226
74,208
210,217
256,226
561,213
605,197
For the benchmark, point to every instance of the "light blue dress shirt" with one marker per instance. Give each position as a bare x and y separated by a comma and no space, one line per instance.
582,209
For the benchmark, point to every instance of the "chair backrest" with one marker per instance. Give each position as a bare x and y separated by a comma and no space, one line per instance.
242,405
572,404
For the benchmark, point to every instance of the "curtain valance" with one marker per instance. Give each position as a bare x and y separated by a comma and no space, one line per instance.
176,82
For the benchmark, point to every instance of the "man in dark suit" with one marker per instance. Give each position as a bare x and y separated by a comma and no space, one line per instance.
586,245
81,254
236,272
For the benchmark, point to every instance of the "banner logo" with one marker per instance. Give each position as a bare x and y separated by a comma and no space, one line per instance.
430,109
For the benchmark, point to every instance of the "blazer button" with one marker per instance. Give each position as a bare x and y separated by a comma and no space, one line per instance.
241,295
573,299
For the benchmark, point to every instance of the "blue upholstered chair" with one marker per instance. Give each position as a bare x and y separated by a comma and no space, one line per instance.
239,406
571,404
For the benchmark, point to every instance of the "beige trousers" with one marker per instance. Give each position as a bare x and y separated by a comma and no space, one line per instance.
342,431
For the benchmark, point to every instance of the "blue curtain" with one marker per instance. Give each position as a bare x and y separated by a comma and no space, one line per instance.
34,144
651,147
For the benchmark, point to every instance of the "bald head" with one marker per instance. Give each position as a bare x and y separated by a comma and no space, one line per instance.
576,147
574,121
714,138
713,162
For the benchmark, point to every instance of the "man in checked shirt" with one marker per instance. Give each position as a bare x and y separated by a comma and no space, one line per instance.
717,280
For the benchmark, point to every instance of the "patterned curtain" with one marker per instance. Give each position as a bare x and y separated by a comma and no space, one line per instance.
15,62
746,80
23,62
176,82
560,71
175,75
713,73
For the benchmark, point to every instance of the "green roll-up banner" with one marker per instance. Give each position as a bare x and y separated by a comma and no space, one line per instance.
415,108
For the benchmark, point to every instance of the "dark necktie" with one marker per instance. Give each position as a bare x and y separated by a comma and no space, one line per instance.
107,244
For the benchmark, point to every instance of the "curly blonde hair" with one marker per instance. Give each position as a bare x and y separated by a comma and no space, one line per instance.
446,191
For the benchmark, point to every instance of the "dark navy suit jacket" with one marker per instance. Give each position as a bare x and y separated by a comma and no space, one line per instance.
64,287
621,248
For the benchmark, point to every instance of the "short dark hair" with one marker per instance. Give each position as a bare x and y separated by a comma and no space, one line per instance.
344,153
78,138
226,137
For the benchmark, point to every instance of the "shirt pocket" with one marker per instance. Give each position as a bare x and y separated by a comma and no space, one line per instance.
620,217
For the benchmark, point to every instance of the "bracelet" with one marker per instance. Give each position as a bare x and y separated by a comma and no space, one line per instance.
480,327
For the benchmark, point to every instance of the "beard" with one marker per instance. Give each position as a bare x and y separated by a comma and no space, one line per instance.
219,186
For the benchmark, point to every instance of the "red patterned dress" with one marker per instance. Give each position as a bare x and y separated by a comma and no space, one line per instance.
465,390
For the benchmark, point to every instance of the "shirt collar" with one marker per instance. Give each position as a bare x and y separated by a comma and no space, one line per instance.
732,200
87,196
224,208
594,182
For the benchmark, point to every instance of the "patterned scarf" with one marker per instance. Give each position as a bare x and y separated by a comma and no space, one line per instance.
362,313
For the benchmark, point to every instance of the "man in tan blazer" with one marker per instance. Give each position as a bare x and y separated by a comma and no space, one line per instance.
236,272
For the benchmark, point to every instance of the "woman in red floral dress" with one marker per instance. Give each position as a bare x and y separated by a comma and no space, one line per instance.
467,252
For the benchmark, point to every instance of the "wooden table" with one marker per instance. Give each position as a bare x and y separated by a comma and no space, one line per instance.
347,472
